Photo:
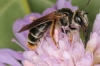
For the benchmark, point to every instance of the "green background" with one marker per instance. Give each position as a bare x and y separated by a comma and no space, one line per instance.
11,10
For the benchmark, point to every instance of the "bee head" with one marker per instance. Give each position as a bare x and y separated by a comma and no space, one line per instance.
80,19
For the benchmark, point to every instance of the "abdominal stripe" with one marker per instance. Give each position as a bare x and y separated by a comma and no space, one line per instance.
37,32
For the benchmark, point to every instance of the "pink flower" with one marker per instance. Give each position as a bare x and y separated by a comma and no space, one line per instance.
69,53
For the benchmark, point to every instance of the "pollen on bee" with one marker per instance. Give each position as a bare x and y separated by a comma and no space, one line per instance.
32,47
70,37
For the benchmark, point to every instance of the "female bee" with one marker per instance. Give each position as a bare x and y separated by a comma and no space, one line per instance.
63,17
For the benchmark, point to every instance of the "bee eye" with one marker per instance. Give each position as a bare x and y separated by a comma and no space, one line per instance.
78,19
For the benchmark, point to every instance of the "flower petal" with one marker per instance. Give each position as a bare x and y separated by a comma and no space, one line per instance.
63,45
85,61
60,4
14,54
76,37
68,59
27,63
92,43
96,26
9,57
29,54
97,65
1,64
78,51
97,59
20,36
27,18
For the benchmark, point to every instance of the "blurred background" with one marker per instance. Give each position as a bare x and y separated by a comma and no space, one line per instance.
11,10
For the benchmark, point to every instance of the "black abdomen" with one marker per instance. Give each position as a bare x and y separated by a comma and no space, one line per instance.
37,32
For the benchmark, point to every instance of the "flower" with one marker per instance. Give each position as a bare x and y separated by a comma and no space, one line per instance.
69,53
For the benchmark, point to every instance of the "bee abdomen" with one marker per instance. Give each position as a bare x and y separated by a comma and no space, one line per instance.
32,39
37,32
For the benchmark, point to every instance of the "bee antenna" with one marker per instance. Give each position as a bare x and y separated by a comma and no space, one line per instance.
86,5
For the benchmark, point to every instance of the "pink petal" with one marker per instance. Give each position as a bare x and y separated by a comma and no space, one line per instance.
78,51
16,55
92,44
50,61
27,63
96,26
97,59
1,64
97,52
63,45
20,36
60,4
68,59
97,65
94,34
97,56
76,37
9,57
29,54
85,61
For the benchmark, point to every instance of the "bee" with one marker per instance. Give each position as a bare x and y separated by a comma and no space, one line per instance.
63,17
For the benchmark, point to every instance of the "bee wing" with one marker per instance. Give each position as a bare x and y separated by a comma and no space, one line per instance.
37,22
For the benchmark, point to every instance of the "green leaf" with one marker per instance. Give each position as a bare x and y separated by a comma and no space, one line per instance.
10,10
39,5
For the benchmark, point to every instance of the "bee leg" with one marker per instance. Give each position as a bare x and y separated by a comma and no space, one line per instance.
52,32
